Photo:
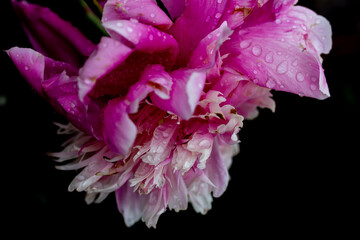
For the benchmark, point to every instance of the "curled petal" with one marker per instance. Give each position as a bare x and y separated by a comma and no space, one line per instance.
186,90
206,51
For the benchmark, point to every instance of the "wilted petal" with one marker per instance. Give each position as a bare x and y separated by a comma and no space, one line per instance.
145,11
51,35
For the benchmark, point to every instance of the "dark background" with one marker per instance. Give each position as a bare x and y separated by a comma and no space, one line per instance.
295,174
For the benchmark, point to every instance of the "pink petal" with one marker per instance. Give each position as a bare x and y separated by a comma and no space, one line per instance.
143,37
206,51
186,90
130,204
198,20
51,35
273,54
237,10
217,171
177,191
244,95
317,27
175,8
30,64
100,70
119,131
145,11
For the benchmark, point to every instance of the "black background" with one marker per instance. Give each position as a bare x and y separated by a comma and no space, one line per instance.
296,174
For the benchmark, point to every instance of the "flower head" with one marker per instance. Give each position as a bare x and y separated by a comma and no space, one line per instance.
156,106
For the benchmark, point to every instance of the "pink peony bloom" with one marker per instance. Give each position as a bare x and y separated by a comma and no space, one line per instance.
156,106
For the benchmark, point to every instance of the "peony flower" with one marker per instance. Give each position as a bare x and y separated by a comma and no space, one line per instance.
156,106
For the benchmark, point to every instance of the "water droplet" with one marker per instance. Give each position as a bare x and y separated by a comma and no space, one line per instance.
269,58
219,1
207,19
282,67
313,79
152,15
294,63
129,29
270,83
256,50
300,77
255,72
119,24
313,87
245,44
218,15
278,21
151,37
26,68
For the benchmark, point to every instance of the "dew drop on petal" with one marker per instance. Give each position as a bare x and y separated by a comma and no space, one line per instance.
300,77
256,50
313,87
152,15
207,19
151,37
313,79
26,68
294,63
282,67
270,83
269,58
129,29
245,44
218,15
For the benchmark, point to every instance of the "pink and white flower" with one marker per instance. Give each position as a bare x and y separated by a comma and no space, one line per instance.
156,106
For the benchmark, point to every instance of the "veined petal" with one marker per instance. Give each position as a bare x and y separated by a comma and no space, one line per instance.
145,11
51,35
